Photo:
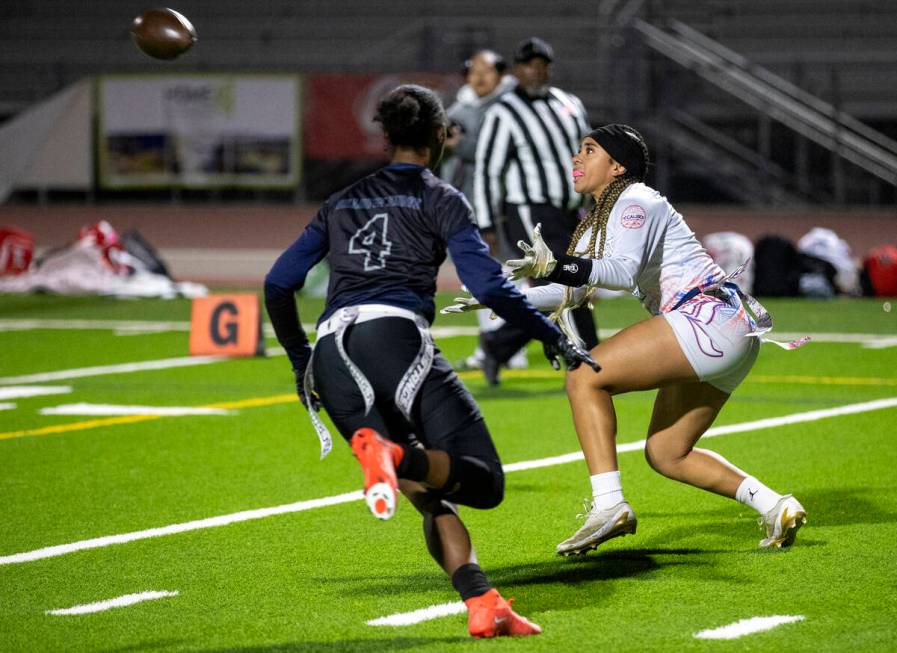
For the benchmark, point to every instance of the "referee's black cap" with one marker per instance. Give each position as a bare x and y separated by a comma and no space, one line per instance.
531,48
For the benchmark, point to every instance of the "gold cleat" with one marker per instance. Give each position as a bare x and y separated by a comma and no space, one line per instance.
782,523
600,526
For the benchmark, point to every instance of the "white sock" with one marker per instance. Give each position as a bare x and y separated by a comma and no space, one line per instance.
607,490
754,494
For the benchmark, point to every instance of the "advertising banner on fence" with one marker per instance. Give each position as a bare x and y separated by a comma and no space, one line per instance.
199,131
339,114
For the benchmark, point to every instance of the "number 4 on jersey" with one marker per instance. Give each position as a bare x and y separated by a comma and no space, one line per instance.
371,241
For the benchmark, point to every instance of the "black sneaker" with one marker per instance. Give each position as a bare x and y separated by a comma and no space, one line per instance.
491,369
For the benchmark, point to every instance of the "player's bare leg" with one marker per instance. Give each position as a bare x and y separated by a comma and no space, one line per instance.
682,413
447,538
489,615
640,357
643,356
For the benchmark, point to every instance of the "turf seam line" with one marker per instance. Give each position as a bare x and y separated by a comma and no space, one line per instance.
299,506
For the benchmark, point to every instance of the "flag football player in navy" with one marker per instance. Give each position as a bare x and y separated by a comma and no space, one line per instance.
409,420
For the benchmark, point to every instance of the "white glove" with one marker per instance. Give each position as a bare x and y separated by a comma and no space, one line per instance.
462,305
537,262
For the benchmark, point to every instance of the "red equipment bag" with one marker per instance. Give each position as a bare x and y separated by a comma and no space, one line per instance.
880,268
16,250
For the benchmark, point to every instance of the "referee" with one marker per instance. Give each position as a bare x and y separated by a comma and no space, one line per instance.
523,177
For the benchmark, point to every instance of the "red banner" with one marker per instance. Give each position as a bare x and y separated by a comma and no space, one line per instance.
339,111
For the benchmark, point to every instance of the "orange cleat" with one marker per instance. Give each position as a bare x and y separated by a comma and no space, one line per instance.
489,615
379,458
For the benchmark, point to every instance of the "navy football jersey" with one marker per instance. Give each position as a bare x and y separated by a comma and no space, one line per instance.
386,236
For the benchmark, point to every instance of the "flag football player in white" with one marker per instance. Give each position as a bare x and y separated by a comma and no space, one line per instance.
699,344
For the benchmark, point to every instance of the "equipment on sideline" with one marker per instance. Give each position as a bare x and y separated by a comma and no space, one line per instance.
16,250
880,271
163,33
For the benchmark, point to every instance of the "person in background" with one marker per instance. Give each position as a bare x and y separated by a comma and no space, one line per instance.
486,82
409,420
522,176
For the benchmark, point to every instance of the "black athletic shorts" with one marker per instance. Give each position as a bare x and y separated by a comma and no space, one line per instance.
444,415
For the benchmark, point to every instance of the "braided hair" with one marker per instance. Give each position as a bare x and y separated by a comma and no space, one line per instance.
597,218
411,116
626,146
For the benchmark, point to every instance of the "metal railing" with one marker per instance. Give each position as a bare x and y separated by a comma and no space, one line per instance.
775,97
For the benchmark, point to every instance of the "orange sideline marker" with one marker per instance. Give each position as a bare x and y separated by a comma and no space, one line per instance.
226,325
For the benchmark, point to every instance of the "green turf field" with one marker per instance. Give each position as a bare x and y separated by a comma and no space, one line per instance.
278,571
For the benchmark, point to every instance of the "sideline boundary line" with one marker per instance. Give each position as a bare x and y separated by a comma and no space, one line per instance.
299,506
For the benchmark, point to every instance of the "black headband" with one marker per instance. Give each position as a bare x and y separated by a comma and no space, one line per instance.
625,146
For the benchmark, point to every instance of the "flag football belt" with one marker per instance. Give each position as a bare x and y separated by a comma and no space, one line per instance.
761,320
411,381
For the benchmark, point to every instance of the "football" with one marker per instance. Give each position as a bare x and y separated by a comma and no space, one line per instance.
163,33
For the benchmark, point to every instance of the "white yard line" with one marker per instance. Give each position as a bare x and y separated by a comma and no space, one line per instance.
7,405
198,524
22,391
117,602
732,631
757,425
123,368
300,506
747,627
113,409
416,616
115,325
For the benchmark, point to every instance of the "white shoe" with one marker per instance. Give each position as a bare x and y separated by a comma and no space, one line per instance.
472,362
781,523
600,526
519,361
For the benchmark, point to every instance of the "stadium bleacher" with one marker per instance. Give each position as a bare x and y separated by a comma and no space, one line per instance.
842,51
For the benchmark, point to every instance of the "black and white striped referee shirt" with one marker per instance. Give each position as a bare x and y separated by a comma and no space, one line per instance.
524,153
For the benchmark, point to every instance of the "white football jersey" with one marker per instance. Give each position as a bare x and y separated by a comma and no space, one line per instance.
650,251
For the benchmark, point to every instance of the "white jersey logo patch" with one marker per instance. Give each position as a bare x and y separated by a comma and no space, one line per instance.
633,217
